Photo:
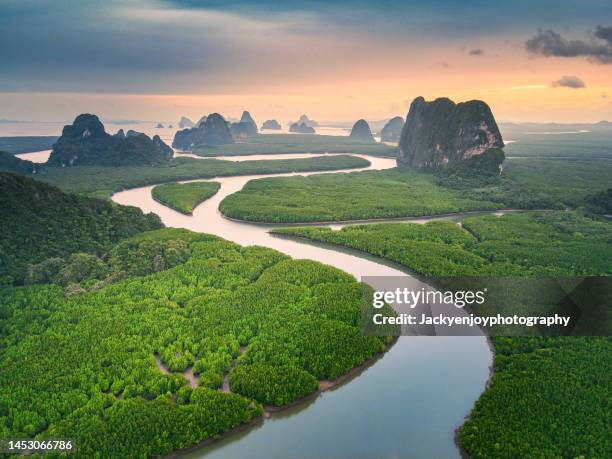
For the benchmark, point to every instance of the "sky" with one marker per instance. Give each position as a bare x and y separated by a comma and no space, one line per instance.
548,60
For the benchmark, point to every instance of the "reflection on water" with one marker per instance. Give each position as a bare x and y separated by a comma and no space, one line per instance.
407,405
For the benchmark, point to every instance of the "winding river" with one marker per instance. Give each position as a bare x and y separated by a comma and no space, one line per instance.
406,405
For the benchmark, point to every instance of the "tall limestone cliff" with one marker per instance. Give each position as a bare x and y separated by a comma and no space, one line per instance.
442,134
213,131
247,118
392,131
86,143
244,128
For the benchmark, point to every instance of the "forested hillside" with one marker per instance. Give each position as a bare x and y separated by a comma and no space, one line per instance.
10,163
193,300
38,221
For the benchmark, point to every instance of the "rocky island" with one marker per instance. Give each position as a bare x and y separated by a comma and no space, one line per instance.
301,128
86,143
307,121
271,124
244,128
247,118
185,122
392,131
213,131
361,132
441,133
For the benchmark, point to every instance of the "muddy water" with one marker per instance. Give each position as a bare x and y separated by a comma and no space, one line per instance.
407,405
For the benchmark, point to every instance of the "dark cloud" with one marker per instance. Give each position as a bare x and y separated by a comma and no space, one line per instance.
181,46
568,81
476,52
604,33
550,43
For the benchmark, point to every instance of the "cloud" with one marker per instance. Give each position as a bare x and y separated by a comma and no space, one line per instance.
550,43
604,33
149,46
476,52
568,81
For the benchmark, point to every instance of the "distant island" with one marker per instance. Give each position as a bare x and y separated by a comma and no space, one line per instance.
441,133
271,125
244,128
392,131
361,132
86,143
184,122
247,118
159,126
241,130
307,121
213,131
301,128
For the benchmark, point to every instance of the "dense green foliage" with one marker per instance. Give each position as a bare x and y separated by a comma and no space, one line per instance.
271,384
297,143
546,244
600,202
558,182
184,197
26,144
548,397
352,196
80,363
81,271
104,181
38,221
524,184
533,143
